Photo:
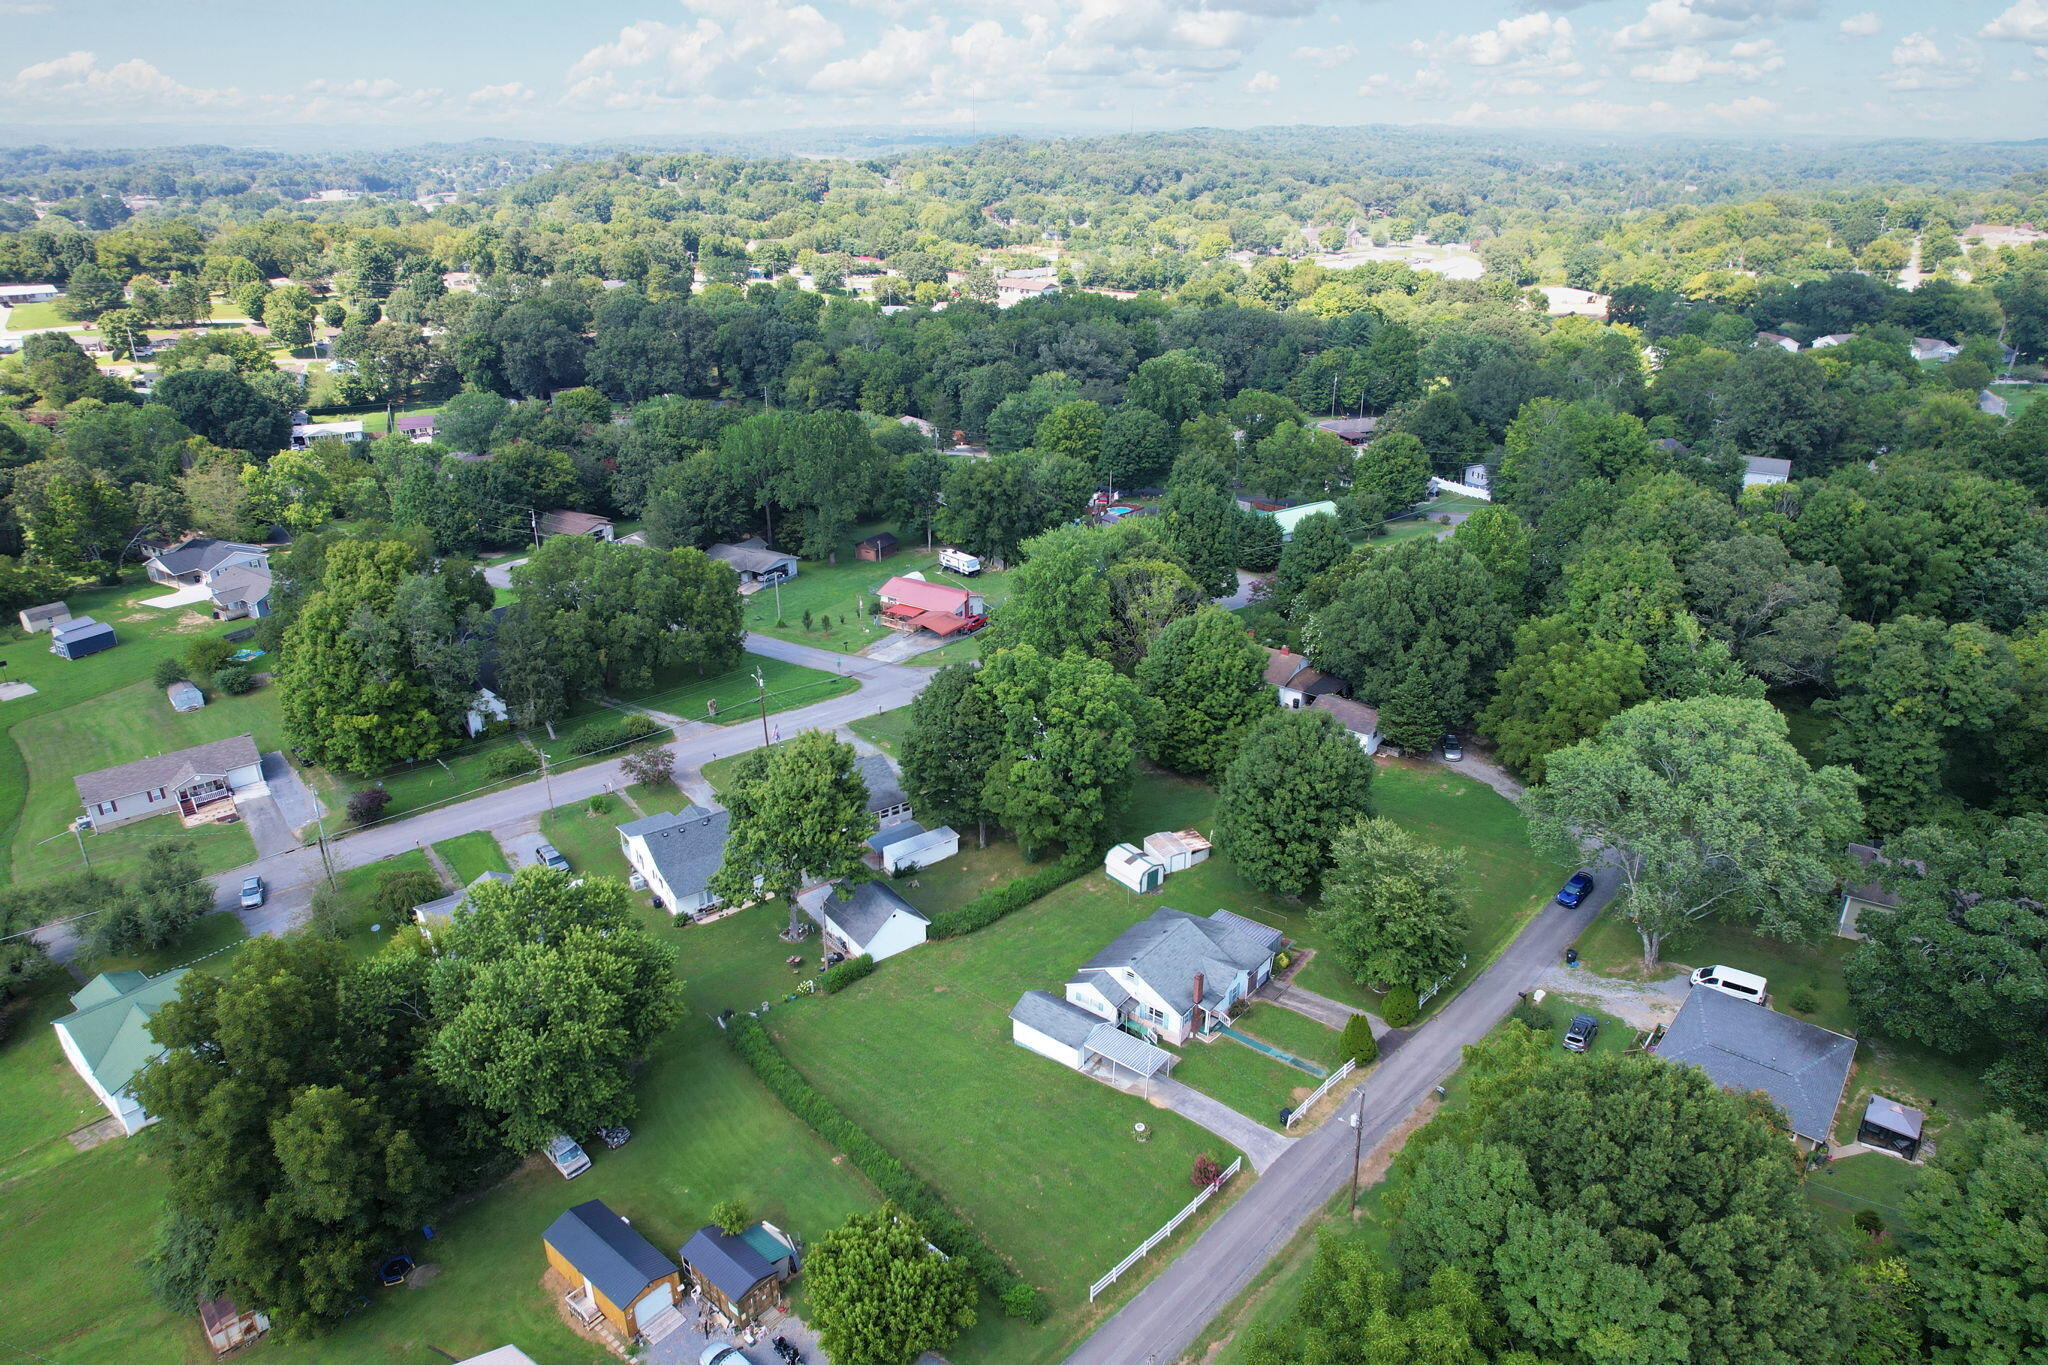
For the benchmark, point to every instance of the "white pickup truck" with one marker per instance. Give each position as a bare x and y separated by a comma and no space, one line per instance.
959,561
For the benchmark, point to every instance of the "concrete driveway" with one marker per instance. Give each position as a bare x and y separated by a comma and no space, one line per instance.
1329,1013
296,802
267,826
1260,1144
500,575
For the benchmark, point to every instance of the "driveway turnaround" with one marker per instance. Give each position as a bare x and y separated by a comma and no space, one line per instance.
1170,1312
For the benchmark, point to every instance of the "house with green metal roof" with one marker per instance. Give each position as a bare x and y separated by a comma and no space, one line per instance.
106,1037
1288,518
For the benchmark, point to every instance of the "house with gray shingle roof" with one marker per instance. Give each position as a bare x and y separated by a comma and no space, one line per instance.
1802,1067
870,921
677,853
183,780
106,1037
1173,974
196,562
1073,1037
886,801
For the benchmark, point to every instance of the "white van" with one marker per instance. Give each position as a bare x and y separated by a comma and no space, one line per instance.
1733,981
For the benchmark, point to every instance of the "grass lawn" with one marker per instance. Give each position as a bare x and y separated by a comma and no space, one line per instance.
590,842
1244,1078
845,592
920,1054
952,652
1296,1034
471,855
41,1097
886,731
2019,397
100,711
366,927
1871,1180
208,935
35,317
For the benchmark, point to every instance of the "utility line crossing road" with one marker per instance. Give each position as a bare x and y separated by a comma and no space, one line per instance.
1166,1316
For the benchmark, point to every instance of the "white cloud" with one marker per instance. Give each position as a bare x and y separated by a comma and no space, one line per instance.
506,95
1919,64
14,7
1680,23
1325,57
1748,109
1861,25
77,81
1529,39
1599,115
1262,83
2025,22
1746,61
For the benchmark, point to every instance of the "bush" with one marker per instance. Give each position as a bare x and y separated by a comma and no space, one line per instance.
1205,1173
837,979
1020,1300
232,681
1399,1009
166,672
1358,1042
732,1216
1534,1016
515,760
596,739
599,805
1804,1001
327,914
807,618
1870,1221
367,804
895,1180
992,905
398,892
654,767
206,655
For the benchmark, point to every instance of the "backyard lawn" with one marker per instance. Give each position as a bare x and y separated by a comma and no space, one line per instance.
35,317
920,1055
471,855
845,593
886,731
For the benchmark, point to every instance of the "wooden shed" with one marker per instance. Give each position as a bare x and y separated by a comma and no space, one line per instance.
741,1275
876,547
228,1326
615,1273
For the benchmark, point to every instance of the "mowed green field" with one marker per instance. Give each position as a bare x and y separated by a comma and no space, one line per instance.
100,711
33,317
471,855
845,592
1042,1160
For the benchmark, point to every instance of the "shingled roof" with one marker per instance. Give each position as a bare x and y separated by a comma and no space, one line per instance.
174,770
1744,1046
1169,948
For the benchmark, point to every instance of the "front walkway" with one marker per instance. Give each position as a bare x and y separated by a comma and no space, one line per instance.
1333,1014
1260,1144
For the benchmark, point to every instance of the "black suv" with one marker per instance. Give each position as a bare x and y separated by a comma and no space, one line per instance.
1578,1035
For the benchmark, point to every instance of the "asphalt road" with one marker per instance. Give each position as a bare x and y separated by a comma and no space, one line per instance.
1169,1313
291,876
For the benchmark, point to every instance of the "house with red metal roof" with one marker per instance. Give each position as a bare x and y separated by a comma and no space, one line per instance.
912,603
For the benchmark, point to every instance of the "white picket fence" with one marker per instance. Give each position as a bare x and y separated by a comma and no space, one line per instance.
1469,490
1430,994
1335,1076
1156,1238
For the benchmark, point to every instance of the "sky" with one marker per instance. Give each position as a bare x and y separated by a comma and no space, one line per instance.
621,68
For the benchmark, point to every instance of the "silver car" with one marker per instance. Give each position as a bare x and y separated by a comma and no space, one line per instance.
254,893
567,1156
550,856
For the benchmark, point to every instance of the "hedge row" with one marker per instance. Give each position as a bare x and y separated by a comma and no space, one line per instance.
837,979
992,905
895,1180
598,738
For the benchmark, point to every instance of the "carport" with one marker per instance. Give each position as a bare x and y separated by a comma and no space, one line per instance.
1891,1127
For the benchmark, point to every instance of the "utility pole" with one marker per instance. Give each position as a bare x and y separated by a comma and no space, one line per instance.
326,861
77,830
546,781
533,519
1357,1150
761,681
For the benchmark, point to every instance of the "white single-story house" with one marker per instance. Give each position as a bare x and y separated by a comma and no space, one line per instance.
907,846
871,921
752,560
1777,339
677,853
1298,684
1361,720
305,433
886,800
1761,469
1742,1045
1935,349
184,780
1073,1037
430,915
1992,405
196,562
418,429
1353,430
106,1037
485,706
1172,974
1831,339
1287,518
12,295
563,522
35,619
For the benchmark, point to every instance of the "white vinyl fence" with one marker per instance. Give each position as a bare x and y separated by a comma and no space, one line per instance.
1156,1238
1335,1076
1430,994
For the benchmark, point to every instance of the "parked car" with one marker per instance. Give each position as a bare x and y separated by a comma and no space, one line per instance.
1578,1035
722,1353
253,892
616,1136
1454,749
567,1155
1733,981
1575,890
550,856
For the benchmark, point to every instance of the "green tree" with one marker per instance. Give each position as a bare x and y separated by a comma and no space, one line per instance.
1561,686
1317,546
1701,807
1073,429
1208,677
1391,909
1298,459
799,816
1199,522
545,995
1783,619
1353,1307
226,409
1394,468
1179,386
1059,599
1299,779
949,748
1982,1258
154,907
288,313
1135,447
1776,404
881,1295
1067,734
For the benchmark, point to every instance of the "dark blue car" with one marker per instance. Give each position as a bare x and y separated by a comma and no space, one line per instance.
1575,890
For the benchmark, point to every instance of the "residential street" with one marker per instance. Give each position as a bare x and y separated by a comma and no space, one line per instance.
293,875
1169,1313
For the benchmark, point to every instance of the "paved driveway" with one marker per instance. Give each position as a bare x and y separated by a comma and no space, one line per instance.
1260,1144
267,826
1321,1008
295,800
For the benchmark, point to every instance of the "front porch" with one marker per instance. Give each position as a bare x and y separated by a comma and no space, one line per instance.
207,803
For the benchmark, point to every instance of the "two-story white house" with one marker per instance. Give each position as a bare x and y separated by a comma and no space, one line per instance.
676,854
106,1037
1172,974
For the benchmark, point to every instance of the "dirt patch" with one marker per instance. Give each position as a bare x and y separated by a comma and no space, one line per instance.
1294,966
189,622
1373,1169
420,1276
95,1134
140,616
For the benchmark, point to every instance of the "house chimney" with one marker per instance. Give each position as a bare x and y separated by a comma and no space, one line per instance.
1197,1015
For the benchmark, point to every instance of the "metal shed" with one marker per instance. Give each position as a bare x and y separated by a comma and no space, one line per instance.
184,696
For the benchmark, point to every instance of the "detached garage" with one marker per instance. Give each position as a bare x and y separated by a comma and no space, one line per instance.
1052,1028
80,636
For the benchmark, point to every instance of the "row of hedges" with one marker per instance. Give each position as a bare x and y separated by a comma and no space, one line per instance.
993,904
633,726
837,979
896,1181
